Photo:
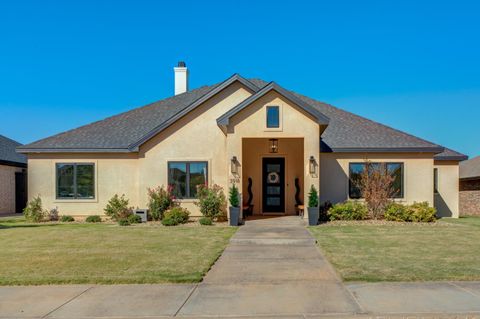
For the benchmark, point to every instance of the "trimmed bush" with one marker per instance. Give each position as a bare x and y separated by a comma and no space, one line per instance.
93,219
134,219
178,214
233,196
211,201
117,208
169,222
34,211
349,210
123,222
206,221
418,212
67,219
159,201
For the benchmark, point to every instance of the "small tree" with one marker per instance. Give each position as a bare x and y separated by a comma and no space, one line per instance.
211,201
160,200
233,196
34,211
117,208
313,197
376,187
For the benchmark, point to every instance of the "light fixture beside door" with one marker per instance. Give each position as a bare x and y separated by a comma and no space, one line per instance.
273,145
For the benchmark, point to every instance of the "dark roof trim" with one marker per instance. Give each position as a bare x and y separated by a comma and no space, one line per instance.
10,163
236,77
224,120
451,158
432,149
73,150
466,179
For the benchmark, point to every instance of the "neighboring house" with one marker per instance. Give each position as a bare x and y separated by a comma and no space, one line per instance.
13,193
470,187
257,134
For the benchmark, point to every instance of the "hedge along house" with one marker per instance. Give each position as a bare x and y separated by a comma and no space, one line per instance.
272,142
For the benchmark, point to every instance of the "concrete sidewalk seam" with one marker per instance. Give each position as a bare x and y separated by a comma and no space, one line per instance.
360,307
67,302
186,300
464,289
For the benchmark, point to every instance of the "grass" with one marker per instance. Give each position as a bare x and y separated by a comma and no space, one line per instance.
447,250
55,253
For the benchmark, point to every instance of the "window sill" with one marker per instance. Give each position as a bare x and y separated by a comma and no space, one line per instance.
187,200
73,200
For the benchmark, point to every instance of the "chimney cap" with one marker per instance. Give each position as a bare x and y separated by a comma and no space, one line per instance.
182,64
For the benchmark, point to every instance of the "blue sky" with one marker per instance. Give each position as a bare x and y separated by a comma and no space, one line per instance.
413,65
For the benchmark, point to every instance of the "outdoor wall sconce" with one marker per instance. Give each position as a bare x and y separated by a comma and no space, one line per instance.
234,165
312,165
273,145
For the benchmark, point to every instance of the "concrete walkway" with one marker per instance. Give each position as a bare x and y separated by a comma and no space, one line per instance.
272,268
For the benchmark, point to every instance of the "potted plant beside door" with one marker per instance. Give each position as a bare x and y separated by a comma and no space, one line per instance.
313,209
233,197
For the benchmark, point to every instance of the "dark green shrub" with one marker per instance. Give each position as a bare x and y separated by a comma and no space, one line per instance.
169,222
67,219
134,219
313,197
211,201
397,212
206,221
350,210
34,211
418,212
93,219
123,222
423,213
233,196
159,201
323,213
117,208
178,214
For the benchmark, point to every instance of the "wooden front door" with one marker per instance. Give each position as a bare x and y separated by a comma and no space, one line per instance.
273,190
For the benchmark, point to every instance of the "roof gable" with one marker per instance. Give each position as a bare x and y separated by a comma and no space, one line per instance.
224,120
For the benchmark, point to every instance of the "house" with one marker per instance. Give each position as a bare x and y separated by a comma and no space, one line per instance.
13,192
272,142
470,187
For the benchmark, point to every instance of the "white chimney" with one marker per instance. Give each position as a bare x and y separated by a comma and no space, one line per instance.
181,78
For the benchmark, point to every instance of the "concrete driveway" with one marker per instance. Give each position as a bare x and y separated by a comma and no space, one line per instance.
272,268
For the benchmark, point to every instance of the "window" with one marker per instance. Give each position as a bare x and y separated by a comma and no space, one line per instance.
273,117
184,177
75,181
356,170
435,180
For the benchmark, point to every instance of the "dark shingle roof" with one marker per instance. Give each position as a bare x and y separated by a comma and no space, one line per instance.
470,169
8,153
450,155
345,132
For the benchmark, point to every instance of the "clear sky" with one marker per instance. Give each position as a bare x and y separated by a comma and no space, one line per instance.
413,65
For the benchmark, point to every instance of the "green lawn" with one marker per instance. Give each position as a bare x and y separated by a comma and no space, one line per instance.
33,254
448,250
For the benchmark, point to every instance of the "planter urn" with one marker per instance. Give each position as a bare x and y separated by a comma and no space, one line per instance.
313,216
234,215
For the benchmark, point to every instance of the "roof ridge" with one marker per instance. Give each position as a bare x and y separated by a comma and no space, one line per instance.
10,140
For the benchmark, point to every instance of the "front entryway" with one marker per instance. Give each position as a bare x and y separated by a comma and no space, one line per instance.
273,190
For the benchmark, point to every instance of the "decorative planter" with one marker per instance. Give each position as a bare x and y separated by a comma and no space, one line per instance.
234,216
313,216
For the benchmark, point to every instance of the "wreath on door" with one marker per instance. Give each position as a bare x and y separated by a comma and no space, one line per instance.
273,178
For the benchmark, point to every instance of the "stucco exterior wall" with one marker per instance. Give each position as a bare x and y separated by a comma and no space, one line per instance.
7,188
447,198
418,175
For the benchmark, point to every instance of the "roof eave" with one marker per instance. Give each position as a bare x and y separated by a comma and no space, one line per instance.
73,150
452,158
432,149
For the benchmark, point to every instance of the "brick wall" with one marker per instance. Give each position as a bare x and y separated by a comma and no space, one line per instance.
470,197
7,188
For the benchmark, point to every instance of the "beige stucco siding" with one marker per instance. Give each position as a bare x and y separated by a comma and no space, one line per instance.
447,198
114,174
7,188
418,174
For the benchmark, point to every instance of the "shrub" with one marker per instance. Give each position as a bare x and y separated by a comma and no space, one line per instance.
53,214
350,210
233,196
123,222
34,211
418,212
93,219
206,221
134,219
178,214
313,197
159,201
212,201
117,208
67,219
169,222
324,208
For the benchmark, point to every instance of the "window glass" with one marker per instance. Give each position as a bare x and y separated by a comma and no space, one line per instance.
65,181
355,175
76,181
356,170
396,171
273,116
198,176
85,181
184,177
177,179
435,180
